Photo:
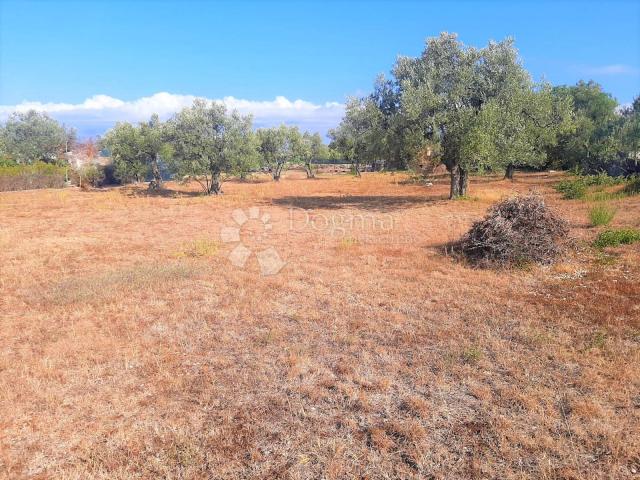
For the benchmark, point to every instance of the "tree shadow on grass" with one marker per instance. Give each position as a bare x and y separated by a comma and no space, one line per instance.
378,203
141,192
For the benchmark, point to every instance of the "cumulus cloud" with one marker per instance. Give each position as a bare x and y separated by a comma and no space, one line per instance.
614,69
98,113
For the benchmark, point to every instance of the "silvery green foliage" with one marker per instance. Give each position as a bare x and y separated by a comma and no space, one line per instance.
469,100
136,150
360,136
32,136
123,142
630,131
280,146
478,107
208,142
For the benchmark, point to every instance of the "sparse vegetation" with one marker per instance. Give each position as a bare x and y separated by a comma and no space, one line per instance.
322,329
633,186
203,247
601,214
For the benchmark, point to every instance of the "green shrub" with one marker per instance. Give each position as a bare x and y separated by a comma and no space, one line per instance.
613,238
601,179
89,176
601,215
572,189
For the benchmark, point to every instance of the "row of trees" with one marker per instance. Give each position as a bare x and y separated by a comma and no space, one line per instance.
205,142
478,109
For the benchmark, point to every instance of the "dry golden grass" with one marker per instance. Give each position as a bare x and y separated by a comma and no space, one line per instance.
130,346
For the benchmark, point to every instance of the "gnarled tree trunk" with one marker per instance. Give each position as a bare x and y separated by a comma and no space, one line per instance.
459,182
156,183
277,171
508,174
356,168
309,169
216,182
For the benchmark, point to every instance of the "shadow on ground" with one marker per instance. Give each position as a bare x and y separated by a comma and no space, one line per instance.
378,203
138,192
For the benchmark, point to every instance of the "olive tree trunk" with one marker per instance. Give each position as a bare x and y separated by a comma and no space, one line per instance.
156,182
215,188
277,171
459,182
508,174
309,169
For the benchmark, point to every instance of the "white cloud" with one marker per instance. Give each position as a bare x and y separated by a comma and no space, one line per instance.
100,112
614,69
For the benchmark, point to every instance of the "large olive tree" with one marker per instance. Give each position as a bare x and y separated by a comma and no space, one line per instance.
32,136
453,92
208,142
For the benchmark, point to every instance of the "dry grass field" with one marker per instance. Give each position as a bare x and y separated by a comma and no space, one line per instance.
131,346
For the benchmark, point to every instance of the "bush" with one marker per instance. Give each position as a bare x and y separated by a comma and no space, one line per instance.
572,189
601,215
601,179
89,176
35,175
515,231
613,238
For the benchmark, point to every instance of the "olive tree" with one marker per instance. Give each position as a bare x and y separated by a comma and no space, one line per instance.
32,136
152,143
246,158
630,131
318,151
453,92
517,132
593,143
360,133
277,147
208,142
124,142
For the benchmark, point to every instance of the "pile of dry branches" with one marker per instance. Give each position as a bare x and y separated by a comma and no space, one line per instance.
515,231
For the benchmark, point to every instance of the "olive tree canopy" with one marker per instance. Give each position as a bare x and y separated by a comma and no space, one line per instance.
208,142
33,136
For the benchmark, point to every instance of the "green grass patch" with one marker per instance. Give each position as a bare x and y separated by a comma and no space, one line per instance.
606,196
472,355
615,237
633,186
601,214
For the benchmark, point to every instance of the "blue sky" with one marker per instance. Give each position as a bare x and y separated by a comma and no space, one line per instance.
116,53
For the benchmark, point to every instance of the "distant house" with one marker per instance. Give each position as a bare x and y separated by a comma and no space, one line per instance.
81,157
